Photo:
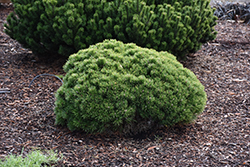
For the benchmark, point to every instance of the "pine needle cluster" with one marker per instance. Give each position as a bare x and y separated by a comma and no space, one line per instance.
112,86
52,27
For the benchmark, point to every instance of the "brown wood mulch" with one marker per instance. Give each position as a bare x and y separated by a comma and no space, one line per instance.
219,137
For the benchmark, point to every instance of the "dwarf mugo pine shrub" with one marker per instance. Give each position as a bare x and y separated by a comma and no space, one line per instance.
66,26
116,86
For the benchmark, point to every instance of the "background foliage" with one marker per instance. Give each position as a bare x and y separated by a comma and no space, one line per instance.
50,27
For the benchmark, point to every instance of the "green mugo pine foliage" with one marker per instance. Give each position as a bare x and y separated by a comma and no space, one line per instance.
65,26
112,86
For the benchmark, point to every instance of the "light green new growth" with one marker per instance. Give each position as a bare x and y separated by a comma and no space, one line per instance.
34,159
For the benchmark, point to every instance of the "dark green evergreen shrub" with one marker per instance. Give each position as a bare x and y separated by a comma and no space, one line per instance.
115,86
66,26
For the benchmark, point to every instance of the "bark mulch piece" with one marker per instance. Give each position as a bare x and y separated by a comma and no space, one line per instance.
219,137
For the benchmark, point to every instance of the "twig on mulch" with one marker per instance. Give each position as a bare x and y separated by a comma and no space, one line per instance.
44,75
4,90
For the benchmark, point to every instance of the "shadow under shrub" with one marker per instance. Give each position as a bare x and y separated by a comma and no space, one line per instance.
112,86
63,27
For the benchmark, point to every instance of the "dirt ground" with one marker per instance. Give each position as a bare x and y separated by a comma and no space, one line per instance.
219,137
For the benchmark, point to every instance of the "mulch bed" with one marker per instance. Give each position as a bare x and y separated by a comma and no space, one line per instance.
219,137
233,11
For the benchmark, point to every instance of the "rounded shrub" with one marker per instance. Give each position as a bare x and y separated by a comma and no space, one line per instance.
112,86
63,27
